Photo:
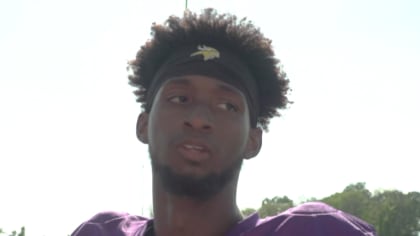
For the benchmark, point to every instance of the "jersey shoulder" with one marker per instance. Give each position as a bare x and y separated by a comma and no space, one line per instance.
111,223
312,219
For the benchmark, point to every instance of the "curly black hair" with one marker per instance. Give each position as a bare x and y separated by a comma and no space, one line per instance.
241,37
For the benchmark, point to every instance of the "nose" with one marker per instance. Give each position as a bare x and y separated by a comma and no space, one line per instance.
199,118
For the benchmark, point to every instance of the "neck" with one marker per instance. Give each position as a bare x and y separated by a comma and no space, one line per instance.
181,215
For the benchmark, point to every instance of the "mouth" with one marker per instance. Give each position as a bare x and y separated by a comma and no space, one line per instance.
193,151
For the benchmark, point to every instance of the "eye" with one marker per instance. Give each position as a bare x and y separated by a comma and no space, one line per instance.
228,106
178,99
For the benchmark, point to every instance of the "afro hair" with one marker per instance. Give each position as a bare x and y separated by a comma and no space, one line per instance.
240,36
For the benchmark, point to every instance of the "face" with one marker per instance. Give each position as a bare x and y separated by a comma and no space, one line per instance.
198,132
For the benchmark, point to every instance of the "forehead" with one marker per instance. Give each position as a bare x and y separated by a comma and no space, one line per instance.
202,82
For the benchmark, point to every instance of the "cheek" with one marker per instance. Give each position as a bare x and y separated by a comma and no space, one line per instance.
159,131
161,118
234,137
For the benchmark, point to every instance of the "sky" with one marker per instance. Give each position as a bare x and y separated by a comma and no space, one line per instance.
68,148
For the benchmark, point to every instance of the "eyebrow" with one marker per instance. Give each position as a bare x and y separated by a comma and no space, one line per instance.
179,81
228,89
187,82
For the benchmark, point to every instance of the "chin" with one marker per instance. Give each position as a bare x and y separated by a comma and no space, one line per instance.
197,186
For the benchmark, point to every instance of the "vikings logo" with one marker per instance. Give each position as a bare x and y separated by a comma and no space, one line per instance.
207,52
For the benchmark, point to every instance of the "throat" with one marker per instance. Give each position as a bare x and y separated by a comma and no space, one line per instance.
194,224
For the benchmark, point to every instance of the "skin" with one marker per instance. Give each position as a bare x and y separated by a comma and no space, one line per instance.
202,111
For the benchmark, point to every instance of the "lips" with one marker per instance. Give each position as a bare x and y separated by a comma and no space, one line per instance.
194,151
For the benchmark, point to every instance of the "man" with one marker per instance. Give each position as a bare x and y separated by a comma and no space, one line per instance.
208,86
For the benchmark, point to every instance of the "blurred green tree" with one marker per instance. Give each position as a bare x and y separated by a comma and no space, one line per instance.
354,199
248,211
395,213
14,233
275,205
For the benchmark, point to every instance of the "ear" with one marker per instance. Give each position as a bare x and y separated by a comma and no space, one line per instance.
141,127
254,143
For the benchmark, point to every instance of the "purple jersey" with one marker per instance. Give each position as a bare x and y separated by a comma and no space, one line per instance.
309,219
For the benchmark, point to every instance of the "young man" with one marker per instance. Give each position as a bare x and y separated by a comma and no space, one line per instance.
208,86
